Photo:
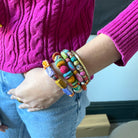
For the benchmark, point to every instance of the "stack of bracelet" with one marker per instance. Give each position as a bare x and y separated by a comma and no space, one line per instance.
73,69
51,73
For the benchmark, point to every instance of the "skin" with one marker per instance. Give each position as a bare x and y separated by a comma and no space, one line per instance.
39,91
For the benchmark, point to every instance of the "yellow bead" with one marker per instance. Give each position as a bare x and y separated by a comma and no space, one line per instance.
59,64
61,83
75,72
75,86
45,64
0,25
71,79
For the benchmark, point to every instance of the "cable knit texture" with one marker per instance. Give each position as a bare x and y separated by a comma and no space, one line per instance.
123,30
34,29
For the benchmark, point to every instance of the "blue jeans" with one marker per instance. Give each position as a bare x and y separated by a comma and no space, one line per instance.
58,121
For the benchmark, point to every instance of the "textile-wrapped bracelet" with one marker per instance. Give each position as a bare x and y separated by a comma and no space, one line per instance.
51,73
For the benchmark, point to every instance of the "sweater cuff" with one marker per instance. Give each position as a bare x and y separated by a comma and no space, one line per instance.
123,31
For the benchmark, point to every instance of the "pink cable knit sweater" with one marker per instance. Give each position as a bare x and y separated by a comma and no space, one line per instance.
34,29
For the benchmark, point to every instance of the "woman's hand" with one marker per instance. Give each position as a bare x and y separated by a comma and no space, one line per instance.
37,91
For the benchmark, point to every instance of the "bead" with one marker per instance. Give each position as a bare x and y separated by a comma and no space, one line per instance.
73,59
86,78
50,71
69,54
68,90
77,88
45,64
69,73
70,65
0,25
63,54
79,77
84,87
67,59
57,58
54,55
72,94
82,73
71,79
55,77
64,69
67,77
81,70
74,83
87,82
76,63
78,91
65,50
75,72
61,63
61,83
70,84
78,67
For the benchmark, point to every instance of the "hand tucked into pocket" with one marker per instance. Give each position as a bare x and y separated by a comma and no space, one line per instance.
3,127
37,91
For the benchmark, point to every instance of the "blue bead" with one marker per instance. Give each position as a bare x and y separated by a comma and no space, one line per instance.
73,59
65,50
71,66
67,90
69,73
50,71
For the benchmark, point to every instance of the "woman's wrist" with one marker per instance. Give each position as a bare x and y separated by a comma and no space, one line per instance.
98,53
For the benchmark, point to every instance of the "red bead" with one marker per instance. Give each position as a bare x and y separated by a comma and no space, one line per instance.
64,69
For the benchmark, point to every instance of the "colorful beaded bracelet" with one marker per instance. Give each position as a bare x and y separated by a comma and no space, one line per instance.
51,73
70,59
67,74
79,66
80,61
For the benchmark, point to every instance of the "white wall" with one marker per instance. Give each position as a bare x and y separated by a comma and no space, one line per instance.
115,83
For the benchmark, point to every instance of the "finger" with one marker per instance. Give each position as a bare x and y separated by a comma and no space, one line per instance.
34,109
23,106
14,97
11,92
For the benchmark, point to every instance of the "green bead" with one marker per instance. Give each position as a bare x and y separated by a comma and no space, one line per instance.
58,60
77,88
74,83
76,63
63,54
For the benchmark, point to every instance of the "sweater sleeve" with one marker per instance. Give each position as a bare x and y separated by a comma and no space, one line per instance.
123,31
